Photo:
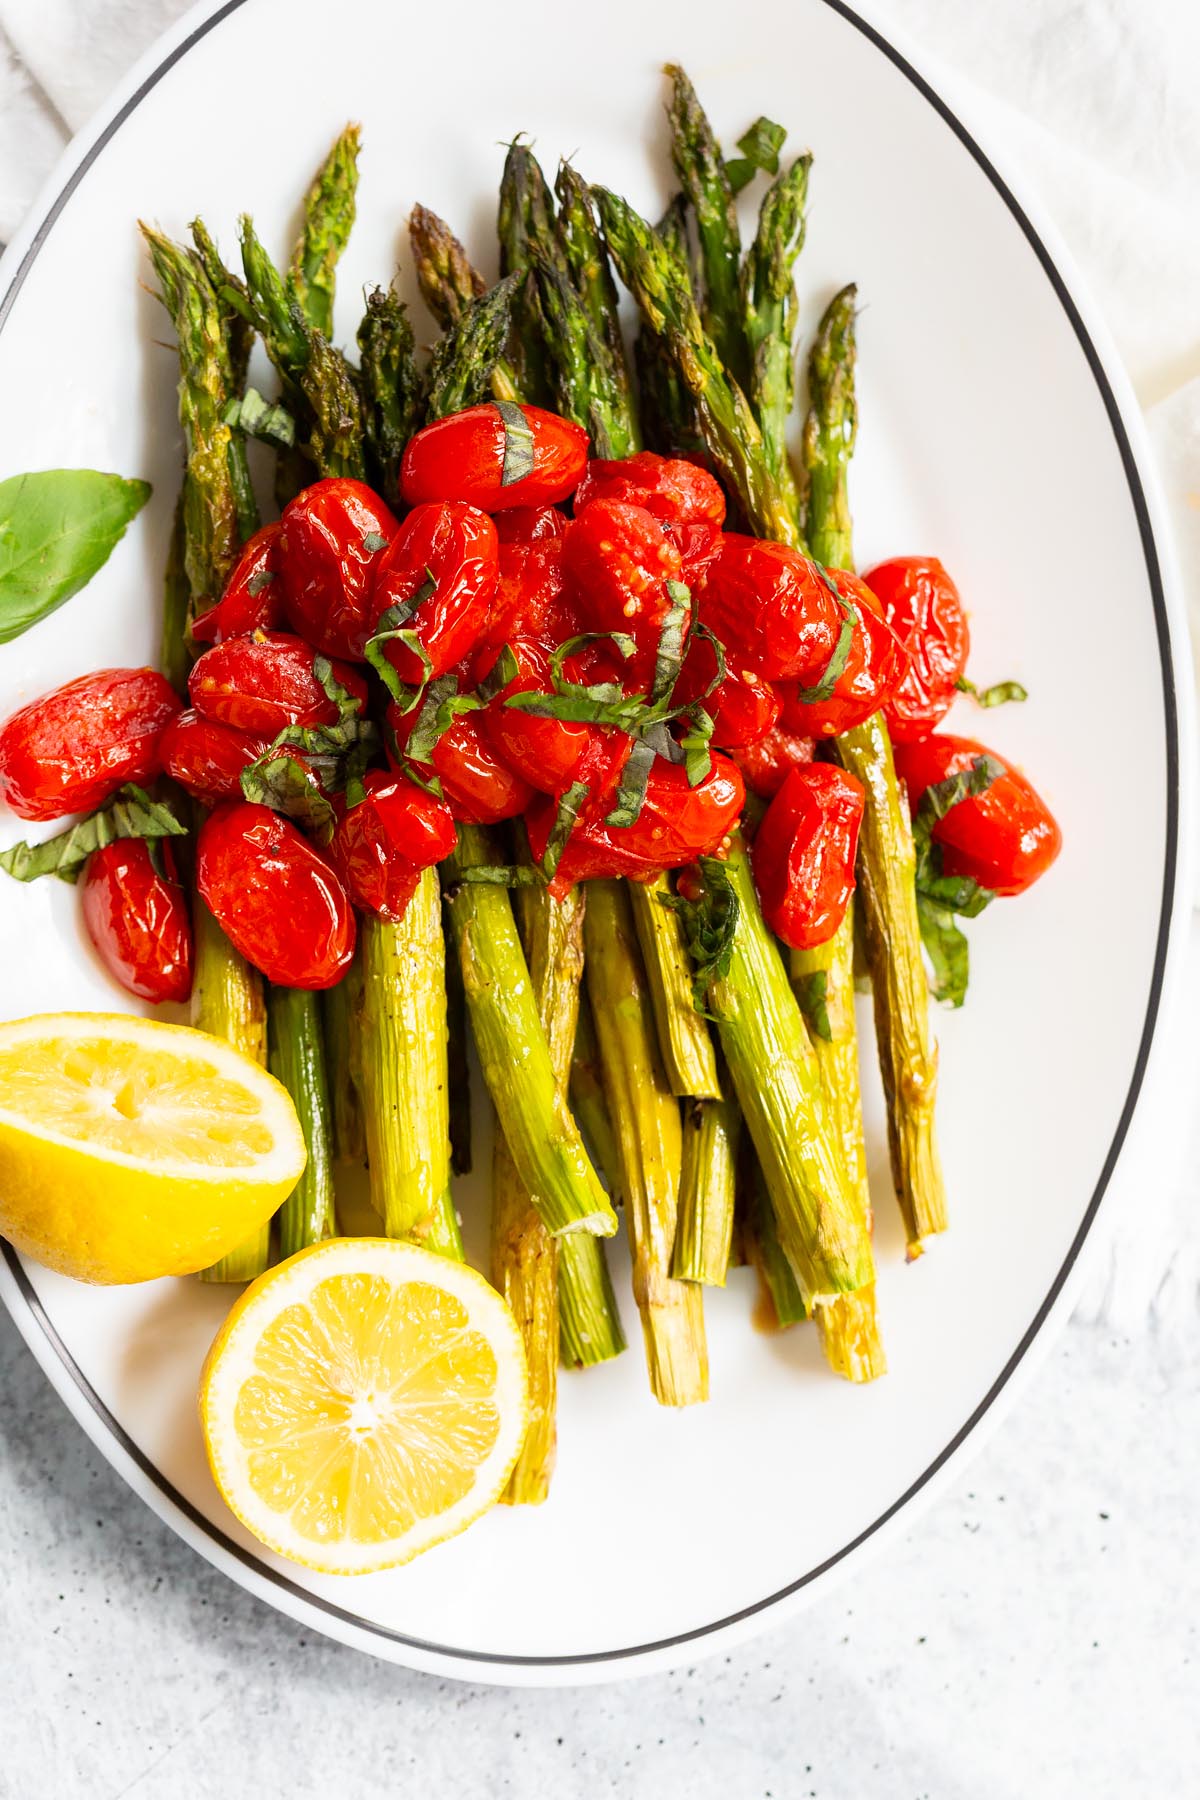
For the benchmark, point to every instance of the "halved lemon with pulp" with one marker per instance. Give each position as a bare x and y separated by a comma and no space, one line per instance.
362,1402
131,1149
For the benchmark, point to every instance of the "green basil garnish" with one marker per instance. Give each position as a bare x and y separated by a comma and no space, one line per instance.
131,813
518,443
57,528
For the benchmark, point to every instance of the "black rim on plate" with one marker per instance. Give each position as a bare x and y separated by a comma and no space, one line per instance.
316,1603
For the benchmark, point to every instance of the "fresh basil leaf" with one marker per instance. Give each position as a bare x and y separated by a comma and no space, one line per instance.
812,991
57,528
131,813
1000,694
631,792
287,785
709,927
257,418
760,148
518,443
564,824
823,689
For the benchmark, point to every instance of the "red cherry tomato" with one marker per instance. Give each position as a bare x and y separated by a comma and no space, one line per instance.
530,525
771,608
479,789
803,854
547,753
253,597
767,764
923,608
461,457
332,538
685,499
381,845
455,546
275,896
677,823
264,683
138,919
531,599
873,670
1003,838
619,559
206,758
743,707
69,750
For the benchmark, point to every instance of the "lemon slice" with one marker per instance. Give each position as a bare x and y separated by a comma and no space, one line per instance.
362,1402
131,1149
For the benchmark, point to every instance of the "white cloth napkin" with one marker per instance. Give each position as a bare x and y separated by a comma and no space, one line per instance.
1095,102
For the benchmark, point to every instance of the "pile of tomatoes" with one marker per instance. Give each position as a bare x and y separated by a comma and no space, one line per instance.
617,675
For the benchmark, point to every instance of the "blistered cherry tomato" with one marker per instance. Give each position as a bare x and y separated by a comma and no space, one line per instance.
138,920
771,608
478,787
71,749
277,899
332,537
803,854
530,525
253,597
262,684
677,823
456,548
206,758
530,599
870,676
1003,838
923,608
685,499
742,706
767,764
461,457
547,753
381,845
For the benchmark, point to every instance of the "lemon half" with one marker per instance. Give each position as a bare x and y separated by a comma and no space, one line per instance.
131,1149
362,1402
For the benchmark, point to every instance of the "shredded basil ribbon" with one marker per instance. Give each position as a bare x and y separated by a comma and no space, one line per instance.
518,443
823,689
131,813
999,694
709,926
940,898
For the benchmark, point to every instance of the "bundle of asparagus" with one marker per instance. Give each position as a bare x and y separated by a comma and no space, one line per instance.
632,1027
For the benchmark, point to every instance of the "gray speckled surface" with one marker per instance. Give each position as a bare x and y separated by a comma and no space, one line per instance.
1033,1636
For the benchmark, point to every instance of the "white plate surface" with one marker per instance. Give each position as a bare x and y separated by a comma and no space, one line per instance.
990,435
